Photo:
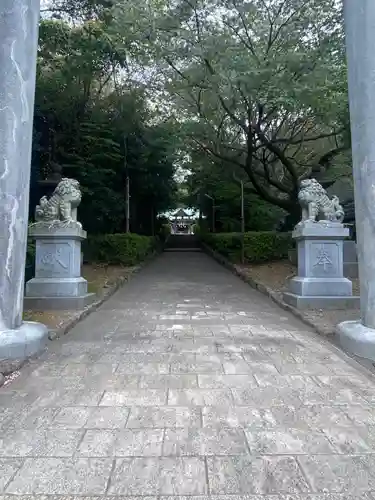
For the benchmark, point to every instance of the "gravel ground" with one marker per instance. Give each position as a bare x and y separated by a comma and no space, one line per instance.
99,279
275,275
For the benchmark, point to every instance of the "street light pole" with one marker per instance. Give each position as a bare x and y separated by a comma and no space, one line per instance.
213,211
240,181
242,225
127,187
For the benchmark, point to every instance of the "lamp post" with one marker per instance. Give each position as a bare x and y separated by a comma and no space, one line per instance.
213,210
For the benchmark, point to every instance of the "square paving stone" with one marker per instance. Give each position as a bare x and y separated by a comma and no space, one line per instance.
64,397
236,367
17,400
8,468
7,415
145,358
48,370
238,416
98,443
18,444
40,442
348,440
304,369
337,473
152,476
266,397
143,368
207,441
355,382
313,417
113,417
199,397
185,381
292,381
182,476
141,443
255,354
122,443
56,442
164,417
209,357
226,381
150,397
330,396
116,382
364,496
71,417
51,476
222,497
261,475
31,418
89,370
197,367
360,415
287,441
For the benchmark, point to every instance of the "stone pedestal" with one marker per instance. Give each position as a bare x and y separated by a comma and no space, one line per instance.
58,283
19,21
349,254
359,336
320,283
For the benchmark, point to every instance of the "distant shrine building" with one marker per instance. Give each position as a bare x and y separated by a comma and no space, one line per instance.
183,220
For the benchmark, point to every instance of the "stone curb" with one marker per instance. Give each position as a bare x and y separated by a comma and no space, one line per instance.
265,290
120,281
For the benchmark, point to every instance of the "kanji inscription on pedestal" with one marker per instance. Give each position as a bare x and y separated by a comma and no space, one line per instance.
323,259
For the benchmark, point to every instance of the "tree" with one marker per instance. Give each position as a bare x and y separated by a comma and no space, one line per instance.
78,10
95,122
256,84
216,180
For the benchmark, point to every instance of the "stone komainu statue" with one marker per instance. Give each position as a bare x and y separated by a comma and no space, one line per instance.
316,205
62,206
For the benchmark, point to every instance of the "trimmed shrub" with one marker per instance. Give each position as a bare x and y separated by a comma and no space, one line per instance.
259,246
126,249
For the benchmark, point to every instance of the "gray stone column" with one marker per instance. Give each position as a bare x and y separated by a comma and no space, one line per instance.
359,337
19,20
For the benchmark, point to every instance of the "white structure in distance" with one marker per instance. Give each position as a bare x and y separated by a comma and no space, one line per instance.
182,220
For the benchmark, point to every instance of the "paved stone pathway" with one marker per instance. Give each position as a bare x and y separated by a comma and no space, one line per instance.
189,383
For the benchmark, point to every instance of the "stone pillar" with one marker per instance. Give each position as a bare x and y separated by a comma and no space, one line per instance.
359,337
19,21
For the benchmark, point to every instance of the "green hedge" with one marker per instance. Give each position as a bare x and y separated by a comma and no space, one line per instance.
125,249
260,246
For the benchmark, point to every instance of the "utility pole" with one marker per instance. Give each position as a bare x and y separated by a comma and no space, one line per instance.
213,215
240,181
213,211
127,188
200,211
127,203
152,221
242,225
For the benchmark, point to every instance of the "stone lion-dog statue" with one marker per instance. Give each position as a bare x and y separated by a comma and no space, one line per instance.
62,205
316,204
